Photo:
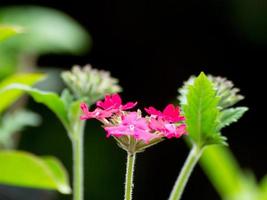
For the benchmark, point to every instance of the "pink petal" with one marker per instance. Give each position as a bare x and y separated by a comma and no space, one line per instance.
145,136
181,130
85,111
118,131
84,107
142,124
173,131
84,117
152,111
116,99
130,118
172,113
129,105
156,125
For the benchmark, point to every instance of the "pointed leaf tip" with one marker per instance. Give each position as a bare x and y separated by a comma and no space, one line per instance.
201,112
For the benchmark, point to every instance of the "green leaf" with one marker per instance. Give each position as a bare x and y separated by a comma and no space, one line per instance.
8,31
12,123
24,169
7,98
46,31
49,99
58,171
231,115
201,112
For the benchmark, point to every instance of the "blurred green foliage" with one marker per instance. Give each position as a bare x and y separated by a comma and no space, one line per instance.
20,168
45,30
231,182
8,31
13,123
9,97
24,169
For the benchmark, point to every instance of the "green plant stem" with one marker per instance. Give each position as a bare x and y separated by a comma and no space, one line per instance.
129,176
78,176
185,173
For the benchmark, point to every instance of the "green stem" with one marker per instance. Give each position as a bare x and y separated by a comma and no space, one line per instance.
78,176
185,173
129,176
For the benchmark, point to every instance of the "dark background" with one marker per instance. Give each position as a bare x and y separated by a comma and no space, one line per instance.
152,47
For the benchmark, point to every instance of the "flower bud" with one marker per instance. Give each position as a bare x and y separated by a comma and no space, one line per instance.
89,83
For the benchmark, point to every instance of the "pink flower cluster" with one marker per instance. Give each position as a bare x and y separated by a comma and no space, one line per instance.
119,122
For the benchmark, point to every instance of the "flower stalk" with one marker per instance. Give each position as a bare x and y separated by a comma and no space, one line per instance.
78,162
129,176
185,173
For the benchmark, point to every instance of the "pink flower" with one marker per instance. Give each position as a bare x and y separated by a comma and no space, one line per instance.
132,125
97,113
114,102
174,131
169,130
170,113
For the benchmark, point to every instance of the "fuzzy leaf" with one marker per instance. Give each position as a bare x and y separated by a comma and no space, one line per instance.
201,112
231,115
24,169
49,99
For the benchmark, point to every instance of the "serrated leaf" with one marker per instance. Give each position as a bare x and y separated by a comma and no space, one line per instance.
9,97
8,31
231,115
49,99
201,112
19,168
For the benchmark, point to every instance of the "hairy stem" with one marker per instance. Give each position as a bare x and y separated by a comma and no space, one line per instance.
129,176
78,176
185,173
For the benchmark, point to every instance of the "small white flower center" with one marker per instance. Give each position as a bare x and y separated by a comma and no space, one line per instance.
97,113
131,127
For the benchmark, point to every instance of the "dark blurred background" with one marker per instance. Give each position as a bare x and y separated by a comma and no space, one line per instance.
152,47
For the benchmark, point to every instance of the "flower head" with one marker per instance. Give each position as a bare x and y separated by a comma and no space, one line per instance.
133,132
86,82
132,125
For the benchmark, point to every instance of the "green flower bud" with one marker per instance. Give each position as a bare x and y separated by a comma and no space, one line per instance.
91,84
